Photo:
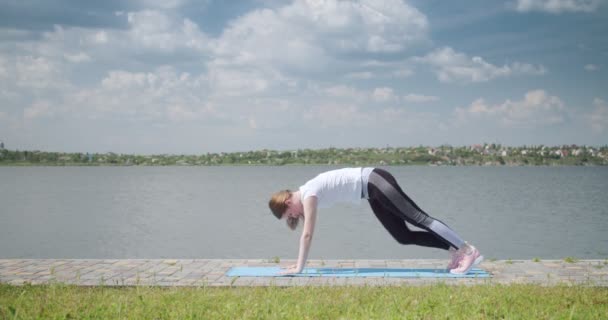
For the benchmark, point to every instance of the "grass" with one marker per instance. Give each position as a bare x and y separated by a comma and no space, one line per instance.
58,301
570,260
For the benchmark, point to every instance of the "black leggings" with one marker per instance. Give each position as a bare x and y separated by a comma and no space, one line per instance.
393,208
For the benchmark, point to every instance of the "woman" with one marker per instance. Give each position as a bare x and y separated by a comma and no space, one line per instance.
389,203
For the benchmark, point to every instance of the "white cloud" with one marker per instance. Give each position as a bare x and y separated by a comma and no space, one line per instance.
452,66
38,73
235,82
403,73
148,32
155,29
599,117
77,58
253,123
263,39
260,54
340,115
384,94
337,115
229,97
591,67
312,35
360,75
100,37
4,73
354,107
419,98
37,109
557,6
342,91
182,113
162,93
364,25
120,80
167,4
43,71
385,69
537,108
149,22
379,95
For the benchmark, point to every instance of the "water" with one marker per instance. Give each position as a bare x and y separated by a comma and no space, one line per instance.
221,212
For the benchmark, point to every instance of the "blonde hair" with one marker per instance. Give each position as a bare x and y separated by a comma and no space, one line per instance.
278,206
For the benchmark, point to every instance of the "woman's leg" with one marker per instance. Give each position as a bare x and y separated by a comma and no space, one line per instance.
398,229
384,189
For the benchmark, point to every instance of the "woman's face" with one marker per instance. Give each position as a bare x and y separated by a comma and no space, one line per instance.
293,210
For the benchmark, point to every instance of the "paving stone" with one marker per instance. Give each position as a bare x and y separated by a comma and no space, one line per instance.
187,282
211,272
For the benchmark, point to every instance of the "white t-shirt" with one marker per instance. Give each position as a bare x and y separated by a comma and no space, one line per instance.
337,186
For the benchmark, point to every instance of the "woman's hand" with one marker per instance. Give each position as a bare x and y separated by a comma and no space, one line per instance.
310,216
293,269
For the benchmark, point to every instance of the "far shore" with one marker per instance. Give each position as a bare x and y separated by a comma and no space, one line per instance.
25,164
475,155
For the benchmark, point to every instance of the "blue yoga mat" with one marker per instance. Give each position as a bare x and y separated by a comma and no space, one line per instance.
355,272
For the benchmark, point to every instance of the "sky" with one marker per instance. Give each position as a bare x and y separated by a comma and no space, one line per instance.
191,77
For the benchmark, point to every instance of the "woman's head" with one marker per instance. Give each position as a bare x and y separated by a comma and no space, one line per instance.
279,204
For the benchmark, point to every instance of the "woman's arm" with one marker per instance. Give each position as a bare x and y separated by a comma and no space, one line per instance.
310,217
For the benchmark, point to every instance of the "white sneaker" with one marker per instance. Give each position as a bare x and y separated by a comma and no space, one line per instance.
455,256
469,259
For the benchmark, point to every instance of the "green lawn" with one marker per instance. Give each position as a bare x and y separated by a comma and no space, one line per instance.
59,301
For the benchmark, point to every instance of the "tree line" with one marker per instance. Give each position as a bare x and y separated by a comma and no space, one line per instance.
483,154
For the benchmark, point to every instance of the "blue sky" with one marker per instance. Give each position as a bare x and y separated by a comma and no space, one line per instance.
180,76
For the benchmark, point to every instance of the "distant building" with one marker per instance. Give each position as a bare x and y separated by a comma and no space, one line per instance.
477,147
1,145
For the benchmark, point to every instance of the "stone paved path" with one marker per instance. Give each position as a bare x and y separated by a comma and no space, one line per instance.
211,272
